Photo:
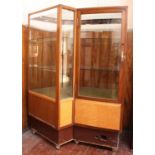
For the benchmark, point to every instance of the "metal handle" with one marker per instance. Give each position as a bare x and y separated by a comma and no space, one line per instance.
101,138
122,56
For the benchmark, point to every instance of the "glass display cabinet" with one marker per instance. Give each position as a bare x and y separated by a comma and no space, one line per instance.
51,62
76,74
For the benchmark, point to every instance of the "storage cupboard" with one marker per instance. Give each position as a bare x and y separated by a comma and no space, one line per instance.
76,80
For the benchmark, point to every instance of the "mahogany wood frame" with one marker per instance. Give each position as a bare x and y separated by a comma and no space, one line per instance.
94,10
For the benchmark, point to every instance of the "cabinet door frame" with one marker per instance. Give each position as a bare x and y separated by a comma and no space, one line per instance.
95,10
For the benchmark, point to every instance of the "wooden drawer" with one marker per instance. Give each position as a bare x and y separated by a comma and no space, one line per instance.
96,136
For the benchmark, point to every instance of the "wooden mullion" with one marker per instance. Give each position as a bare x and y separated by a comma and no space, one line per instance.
93,10
123,52
78,54
74,67
67,7
42,10
58,58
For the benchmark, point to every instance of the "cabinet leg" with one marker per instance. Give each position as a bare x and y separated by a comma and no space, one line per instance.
33,131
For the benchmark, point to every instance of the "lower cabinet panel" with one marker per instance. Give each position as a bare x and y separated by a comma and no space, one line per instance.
95,122
43,108
96,136
66,114
58,137
98,114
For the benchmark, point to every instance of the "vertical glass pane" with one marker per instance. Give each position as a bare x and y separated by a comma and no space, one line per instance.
100,42
42,52
66,77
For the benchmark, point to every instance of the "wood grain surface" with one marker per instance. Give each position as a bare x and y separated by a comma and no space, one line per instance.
98,114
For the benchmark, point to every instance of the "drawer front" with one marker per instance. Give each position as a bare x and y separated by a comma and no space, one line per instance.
95,136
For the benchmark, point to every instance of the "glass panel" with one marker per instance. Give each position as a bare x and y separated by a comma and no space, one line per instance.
42,52
100,53
66,77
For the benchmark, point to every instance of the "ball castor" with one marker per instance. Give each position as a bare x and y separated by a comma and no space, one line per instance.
114,149
76,141
33,131
57,147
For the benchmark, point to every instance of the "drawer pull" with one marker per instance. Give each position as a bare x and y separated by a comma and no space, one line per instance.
101,138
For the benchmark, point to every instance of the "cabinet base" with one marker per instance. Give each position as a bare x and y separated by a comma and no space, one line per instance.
100,137
57,137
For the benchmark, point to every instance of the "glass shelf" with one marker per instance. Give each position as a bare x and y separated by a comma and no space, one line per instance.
100,69
49,68
41,40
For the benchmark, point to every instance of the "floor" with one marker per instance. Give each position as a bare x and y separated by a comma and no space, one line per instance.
36,145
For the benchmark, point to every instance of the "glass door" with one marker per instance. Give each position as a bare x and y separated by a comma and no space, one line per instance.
42,52
99,47
67,54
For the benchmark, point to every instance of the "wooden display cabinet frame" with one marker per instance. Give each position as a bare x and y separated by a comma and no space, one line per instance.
66,133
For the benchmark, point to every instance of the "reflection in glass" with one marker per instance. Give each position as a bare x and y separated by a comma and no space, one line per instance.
100,40
42,52
66,77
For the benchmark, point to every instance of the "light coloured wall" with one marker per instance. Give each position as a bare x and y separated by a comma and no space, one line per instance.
34,5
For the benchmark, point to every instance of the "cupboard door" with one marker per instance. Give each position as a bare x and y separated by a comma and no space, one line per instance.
42,52
100,37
